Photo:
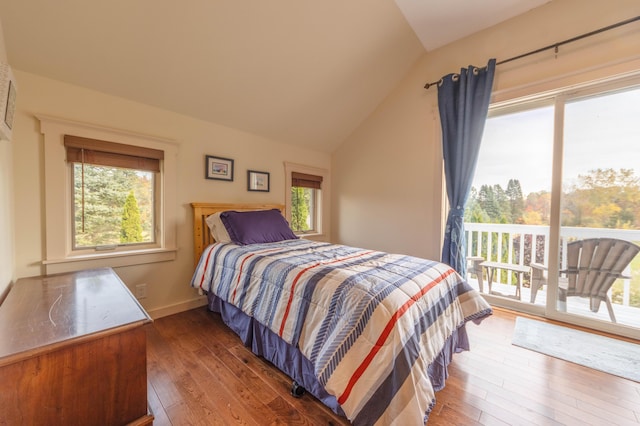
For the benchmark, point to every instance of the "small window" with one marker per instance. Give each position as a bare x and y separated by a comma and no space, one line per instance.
307,200
305,196
303,208
114,193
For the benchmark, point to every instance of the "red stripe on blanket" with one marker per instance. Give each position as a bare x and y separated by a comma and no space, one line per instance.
385,334
295,281
206,264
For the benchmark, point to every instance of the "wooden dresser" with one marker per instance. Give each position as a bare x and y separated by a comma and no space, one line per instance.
73,352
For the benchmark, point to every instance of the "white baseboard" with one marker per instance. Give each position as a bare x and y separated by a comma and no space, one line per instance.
178,307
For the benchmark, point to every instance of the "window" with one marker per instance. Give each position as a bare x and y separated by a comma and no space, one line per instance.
91,174
306,195
305,191
114,193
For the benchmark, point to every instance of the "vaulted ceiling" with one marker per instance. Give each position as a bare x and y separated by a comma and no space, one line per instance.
296,71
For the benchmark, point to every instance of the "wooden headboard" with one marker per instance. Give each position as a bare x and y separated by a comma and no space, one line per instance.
201,235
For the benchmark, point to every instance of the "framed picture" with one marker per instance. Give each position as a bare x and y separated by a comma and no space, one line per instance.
257,181
219,168
8,93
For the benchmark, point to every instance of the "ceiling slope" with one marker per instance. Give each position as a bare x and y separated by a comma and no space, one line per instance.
439,22
299,72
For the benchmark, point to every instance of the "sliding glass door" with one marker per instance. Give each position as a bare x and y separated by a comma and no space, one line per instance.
554,203
600,206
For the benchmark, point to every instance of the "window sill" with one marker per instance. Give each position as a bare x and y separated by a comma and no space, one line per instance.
311,236
112,259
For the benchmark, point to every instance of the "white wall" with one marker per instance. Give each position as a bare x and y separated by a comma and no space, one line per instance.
388,179
168,282
7,265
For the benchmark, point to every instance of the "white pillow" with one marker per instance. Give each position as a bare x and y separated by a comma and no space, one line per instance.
218,230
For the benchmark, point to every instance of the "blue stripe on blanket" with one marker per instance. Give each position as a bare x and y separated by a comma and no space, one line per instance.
337,300
213,261
265,306
326,358
399,272
300,246
307,286
334,252
311,284
375,406
232,261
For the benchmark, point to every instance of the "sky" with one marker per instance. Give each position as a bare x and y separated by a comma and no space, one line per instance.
600,132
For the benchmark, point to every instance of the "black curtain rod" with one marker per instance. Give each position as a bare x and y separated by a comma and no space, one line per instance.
558,44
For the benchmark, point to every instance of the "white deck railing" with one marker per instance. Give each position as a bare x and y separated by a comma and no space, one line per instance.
519,243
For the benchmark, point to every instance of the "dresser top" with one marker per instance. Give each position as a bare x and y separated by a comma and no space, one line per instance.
41,313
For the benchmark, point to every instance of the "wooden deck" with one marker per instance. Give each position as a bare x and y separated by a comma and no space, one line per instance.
625,315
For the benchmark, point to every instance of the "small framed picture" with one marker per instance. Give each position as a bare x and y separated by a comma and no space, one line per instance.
219,168
257,181
8,93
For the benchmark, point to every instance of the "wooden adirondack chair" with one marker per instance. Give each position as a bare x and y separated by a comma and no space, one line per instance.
593,265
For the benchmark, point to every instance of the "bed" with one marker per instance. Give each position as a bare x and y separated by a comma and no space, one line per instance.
370,334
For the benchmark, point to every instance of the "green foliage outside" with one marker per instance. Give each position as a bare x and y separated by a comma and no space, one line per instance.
603,198
300,199
99,219
131,227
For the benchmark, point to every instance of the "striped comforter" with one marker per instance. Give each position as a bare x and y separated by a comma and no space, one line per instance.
369,322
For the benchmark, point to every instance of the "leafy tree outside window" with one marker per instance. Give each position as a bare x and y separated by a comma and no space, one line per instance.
114,200
116,207
131,229
305,196
302,207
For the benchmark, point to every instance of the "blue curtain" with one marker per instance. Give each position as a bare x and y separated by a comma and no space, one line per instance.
463,102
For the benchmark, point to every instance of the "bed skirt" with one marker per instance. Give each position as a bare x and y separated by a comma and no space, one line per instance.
263,342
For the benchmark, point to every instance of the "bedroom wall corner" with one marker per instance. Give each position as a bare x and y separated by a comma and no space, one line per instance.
388,178
7,242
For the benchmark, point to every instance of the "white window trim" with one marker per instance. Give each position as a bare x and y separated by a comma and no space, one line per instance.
324,196
577,80
59,256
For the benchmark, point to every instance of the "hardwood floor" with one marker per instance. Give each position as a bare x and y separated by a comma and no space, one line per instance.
200,374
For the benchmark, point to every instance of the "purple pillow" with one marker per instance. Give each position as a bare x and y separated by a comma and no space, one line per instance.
257,226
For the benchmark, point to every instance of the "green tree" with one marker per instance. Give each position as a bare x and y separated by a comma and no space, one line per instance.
143,190
488,203
100,194
300,199
603,198
131,230
105,191
502,201
516,201
473,212
494,202
537,208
